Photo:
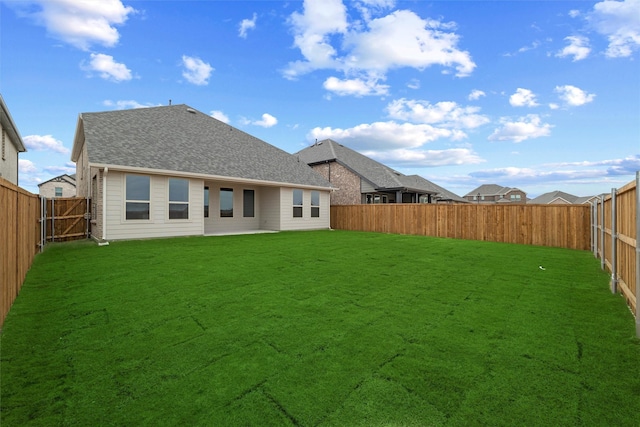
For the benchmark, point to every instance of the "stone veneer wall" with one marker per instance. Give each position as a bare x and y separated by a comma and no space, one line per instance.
346,181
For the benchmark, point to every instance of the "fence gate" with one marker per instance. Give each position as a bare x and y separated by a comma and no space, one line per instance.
64,219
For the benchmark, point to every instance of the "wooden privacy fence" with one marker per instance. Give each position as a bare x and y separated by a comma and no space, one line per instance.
27,222
566,226
65,219
19,240
615,240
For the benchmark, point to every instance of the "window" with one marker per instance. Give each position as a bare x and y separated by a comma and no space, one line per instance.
248,203
58,191
137,196
369,199
297,203
226,203
178,198
514,196
206,202
315,204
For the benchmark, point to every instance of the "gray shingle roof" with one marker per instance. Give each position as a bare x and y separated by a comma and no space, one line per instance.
180,138
553,195
490,190
380,176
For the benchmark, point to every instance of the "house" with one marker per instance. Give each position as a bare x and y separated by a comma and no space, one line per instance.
175,171
493,193
561,198
60,186
12,144
360,179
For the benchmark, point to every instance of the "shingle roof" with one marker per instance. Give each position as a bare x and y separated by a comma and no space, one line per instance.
380,176
490,190
71,179
553,195
180,138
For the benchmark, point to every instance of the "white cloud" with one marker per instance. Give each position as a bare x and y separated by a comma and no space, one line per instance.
574,96
619,21
426,158
525,128
246,25
386,135
400,39
26,166
445,114
553,106
127,104
574,13
69,168
217,114
43,143
414,84
476,94
312,29
356,87
267,121
79,23
578,48
523,98
196,70
403,39
108,68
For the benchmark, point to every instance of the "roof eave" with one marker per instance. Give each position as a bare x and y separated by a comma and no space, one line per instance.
258,182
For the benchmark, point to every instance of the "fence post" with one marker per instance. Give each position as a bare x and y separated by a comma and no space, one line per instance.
602,227
638,254
594,227
614,243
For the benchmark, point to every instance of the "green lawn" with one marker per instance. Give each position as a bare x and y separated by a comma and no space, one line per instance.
318,328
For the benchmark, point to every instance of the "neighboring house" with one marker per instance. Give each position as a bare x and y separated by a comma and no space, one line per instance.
493,193
359,179
175,171
561,198
60,186
12,144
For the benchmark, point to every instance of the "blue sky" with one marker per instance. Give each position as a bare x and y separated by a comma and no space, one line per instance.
539,95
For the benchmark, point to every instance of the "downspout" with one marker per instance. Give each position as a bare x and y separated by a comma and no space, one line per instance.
104,204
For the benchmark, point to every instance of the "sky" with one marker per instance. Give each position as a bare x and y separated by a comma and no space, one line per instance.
538,95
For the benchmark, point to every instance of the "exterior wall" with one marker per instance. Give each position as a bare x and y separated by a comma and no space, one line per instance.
8,159
83,174
48,189
347,182
522,194
95,192
159,224
216,224
288,222
270,215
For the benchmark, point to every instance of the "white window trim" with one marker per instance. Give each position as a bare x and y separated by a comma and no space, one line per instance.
188,202
297,206
125,200
315,206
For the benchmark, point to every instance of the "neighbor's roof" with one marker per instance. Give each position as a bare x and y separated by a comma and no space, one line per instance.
180,138
491,190
380,176
10,127
71,179
552,196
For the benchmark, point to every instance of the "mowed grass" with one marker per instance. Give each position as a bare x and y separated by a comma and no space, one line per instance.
318,329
